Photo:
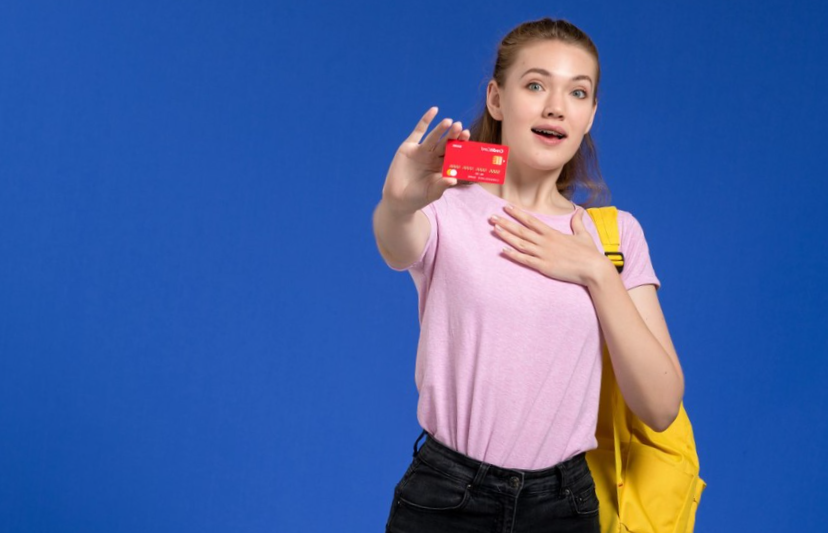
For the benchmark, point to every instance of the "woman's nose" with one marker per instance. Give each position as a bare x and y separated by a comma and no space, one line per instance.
554,107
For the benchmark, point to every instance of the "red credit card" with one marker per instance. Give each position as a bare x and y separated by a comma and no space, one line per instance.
474,161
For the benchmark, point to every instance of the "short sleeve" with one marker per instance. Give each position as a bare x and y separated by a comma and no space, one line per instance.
427,254
638,268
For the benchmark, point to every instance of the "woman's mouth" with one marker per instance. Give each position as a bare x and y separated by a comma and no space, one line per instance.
549,136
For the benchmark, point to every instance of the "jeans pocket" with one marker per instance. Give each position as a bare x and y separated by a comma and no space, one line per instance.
428,489
584,501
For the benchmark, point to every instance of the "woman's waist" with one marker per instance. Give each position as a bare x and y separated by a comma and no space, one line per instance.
536,438
466,469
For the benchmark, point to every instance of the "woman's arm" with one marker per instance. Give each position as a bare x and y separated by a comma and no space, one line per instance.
643,357
400,237
414,180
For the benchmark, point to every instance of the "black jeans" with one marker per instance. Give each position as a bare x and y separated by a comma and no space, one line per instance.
445,491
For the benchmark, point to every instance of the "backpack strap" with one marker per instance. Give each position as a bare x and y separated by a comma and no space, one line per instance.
606,222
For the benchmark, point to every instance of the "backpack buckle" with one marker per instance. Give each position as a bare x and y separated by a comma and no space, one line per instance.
617,259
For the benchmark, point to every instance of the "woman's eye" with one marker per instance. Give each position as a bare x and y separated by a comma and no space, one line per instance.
534,86
579,93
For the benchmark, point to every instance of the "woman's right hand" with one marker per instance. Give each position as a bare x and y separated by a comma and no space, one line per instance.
414,178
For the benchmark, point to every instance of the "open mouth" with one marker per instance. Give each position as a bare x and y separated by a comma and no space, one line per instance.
549,134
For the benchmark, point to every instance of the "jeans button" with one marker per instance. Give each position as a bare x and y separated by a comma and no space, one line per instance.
515,481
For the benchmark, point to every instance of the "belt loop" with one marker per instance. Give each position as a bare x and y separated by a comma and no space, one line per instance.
561,468
416,451
481,473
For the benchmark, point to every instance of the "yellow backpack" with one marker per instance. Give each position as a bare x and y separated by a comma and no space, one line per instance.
647,482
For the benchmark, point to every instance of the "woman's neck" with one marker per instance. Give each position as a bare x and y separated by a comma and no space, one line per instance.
532,191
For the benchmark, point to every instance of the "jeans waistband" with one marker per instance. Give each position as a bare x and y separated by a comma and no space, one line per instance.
477,473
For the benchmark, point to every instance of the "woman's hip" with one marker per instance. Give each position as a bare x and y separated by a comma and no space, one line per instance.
443,490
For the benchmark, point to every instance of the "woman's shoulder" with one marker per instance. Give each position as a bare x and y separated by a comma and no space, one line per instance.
638,267
630,230
627,218
629,224
626,221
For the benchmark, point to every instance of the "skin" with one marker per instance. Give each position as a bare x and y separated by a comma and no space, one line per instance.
557,90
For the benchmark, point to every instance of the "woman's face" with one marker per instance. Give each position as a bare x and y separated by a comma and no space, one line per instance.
546,104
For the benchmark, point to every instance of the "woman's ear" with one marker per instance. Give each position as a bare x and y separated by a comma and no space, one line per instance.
493,100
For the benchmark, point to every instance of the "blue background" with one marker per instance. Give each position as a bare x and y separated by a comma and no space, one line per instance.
198,334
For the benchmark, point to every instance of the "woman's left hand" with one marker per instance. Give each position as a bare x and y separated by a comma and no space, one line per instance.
573,258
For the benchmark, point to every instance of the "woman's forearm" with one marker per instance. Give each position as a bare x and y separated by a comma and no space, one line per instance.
400,237
646,370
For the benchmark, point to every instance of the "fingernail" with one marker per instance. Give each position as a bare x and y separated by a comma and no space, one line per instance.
494,217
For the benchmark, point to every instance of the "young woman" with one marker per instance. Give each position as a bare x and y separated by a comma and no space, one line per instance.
515,298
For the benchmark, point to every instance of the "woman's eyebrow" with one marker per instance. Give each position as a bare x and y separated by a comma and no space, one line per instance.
544,72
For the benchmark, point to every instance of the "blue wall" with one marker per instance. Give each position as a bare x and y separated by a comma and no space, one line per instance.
198,334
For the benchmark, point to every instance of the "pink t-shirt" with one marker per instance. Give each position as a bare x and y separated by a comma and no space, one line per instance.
509,361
